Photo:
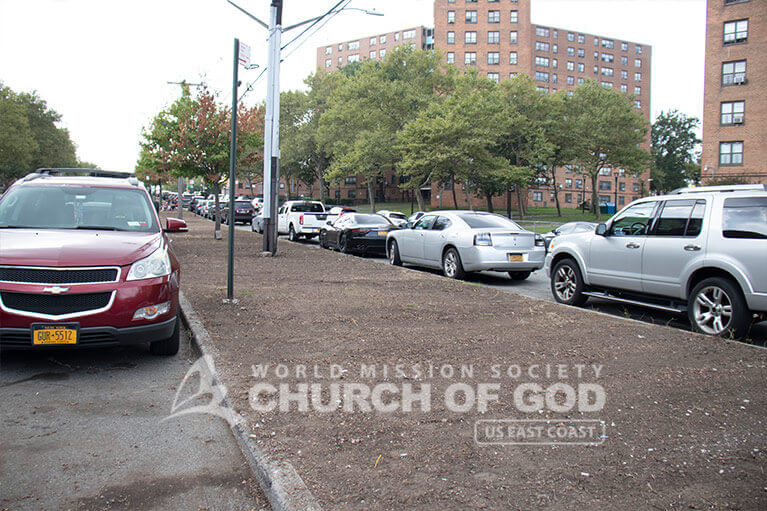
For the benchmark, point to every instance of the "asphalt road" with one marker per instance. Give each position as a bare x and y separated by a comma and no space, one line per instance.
84,430
537,286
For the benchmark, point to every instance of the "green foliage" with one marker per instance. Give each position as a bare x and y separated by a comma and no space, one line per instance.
673,145
29,137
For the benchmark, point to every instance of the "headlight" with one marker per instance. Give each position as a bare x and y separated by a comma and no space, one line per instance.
155,265
152,311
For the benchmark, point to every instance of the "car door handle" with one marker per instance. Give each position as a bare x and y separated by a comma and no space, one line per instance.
632,245
692,248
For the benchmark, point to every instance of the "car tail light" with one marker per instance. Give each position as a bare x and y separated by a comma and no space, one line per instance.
483,239
361,231
539,241
301,220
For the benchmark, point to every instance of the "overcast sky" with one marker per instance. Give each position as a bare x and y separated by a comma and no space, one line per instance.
104,64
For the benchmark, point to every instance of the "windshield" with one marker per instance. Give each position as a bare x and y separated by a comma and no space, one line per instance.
308,207
486,221
398,216
77,207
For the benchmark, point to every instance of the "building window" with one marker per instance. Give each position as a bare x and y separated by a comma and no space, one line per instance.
353,58
596,70
542,90
542,61
554,80
733,112
328,50
470,38
451,38
581,67
341,47
637,77
537,196
571,66
408,34
579,184
471,16
451,16
328,62
493,16
512,75
581,39
608,58
554,63
731,153
637,63
581,53
622,186
554,48
541,76
514,16
736,32
570,51
541,32
493,37
607,85
624,75
624,61
570,80
605,171
580,80
637,103
568,198
605,186
354,45
372,54
352,194
382,39
373,41
621,200
637,91
638,49
570,36
493,76
340,61
513,37
624,87
351,180
493,58
624,46
381,53
568,182
512,57
607,71
541,46
470,58
608,43
734,73
450,57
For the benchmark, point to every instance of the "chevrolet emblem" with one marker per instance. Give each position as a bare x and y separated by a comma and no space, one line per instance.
56,290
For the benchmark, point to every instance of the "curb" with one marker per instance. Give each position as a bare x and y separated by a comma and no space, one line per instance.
280,482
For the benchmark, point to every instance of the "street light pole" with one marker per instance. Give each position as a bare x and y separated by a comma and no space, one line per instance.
272,130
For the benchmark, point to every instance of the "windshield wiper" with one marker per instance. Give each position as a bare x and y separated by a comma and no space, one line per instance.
99,228
24,227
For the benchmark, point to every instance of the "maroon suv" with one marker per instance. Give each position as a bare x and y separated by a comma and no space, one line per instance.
84,262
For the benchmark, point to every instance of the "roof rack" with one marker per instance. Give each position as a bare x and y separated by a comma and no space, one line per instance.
88,172
720,188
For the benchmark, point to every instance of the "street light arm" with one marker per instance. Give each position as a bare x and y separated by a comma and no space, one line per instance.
249,15
372,13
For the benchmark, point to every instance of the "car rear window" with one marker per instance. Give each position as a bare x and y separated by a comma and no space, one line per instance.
368,219
77,207
243,204
745,218
309,207
480,221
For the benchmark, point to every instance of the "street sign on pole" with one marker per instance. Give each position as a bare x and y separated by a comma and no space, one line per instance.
244,58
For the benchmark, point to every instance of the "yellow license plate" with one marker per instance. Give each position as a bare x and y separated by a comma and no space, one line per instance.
516,257
54,334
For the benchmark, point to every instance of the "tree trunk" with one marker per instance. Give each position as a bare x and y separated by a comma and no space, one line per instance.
217,225
520,204
508,202
419,199
372,195
455,198
489,203
556,191
468,199
594,198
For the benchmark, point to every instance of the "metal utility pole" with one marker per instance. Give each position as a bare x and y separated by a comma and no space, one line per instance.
232,173
272,130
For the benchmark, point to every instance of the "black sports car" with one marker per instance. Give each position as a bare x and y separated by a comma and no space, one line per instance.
357,232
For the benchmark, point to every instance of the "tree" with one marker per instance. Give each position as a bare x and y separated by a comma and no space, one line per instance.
673,144
609,133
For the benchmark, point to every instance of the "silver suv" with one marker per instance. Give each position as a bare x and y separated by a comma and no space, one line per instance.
701,250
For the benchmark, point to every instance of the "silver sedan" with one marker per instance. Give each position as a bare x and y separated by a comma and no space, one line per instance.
467,241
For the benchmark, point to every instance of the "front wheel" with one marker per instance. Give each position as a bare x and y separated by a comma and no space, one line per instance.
717,307
169,346
343,244
452,266
292,236
323,243
567,283
394,258
519,275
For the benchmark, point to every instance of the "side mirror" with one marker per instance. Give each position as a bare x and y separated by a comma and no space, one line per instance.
175,225
601,230
409,225
329,222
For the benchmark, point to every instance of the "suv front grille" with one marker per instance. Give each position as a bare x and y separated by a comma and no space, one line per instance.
56,276
55,305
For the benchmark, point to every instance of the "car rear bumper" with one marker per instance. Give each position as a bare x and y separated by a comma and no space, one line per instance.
497,259
377,245
99,336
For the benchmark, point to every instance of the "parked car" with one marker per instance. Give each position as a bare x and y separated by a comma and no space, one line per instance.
568,228
467,241
699,251
243,212
257,223
85,263
357,232
395,217
339,210
302,219
416,216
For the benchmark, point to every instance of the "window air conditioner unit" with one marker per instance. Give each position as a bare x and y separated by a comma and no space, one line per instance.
739,80
737,119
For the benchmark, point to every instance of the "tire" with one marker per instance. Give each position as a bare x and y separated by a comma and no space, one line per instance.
252,226
322,242
169,346
343,244
567,283
452,266
519,275
716,307
292,236
394,258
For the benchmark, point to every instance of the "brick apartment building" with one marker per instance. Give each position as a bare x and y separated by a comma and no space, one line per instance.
498,38
735,98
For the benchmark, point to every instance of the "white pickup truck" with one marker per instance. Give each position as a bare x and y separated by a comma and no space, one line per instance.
302,219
